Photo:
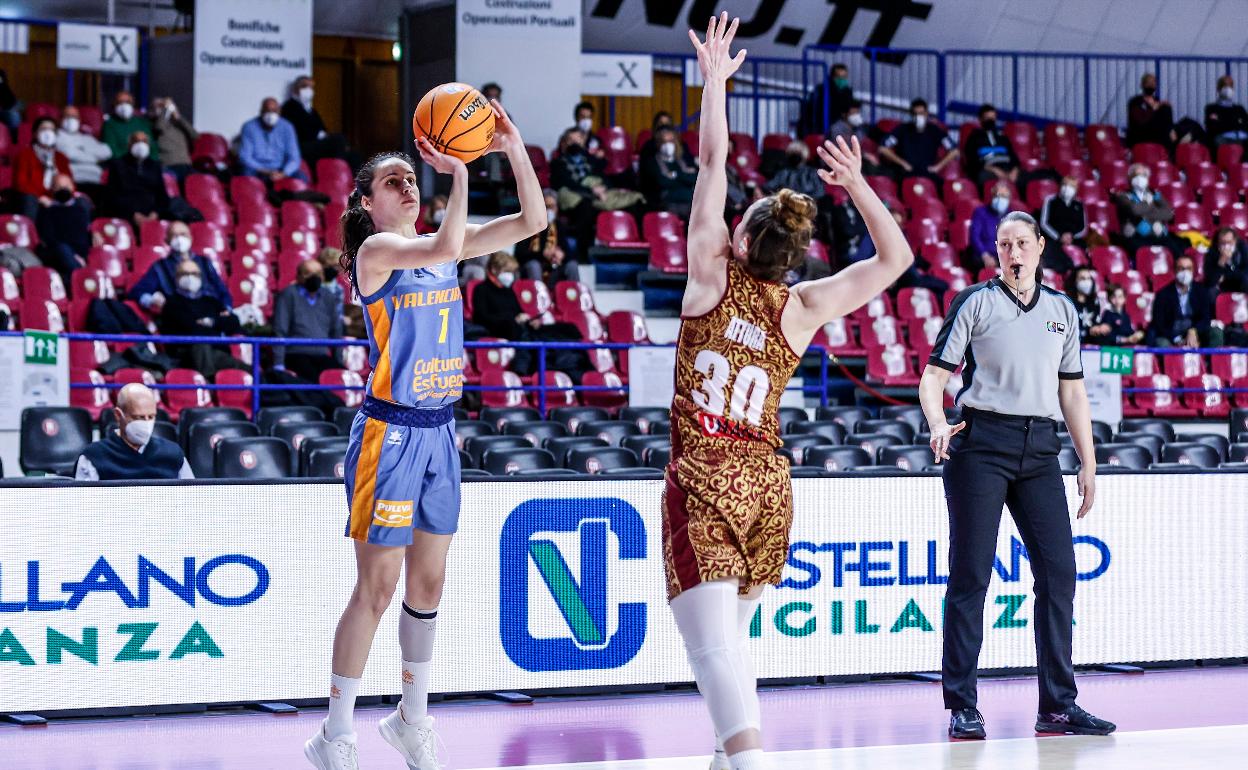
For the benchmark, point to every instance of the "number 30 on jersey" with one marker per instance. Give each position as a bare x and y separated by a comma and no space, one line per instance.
749,389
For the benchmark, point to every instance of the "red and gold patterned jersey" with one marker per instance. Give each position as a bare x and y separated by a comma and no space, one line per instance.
732,366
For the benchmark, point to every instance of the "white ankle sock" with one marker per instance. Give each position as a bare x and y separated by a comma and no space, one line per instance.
415,691
752,759
342,693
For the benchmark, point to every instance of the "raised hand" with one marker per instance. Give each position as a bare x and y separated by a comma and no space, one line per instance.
441,163
713,56
843,161
506,135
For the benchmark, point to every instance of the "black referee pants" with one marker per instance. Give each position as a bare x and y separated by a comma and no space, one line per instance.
999,460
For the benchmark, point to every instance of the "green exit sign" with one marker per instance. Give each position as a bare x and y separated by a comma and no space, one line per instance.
1117,360
41,347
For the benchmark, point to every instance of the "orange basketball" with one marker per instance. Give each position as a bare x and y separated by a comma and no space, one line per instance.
457,119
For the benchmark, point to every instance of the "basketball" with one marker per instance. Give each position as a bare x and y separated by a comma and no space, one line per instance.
457,119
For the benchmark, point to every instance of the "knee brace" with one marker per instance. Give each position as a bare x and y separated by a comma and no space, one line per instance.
416,629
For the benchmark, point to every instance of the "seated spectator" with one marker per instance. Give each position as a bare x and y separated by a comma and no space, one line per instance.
1183,311
546,256
650,147
1226,262
268,147
37,166
854,124
129,451
192,312
330,259
913,148
672,173
136,184
583,117
840,93
984,228
10,115
64,227
306,309
85,152
1114,326
123,124
989,153
496,308
431,218
577,177
1149,119
1145,215
798,175
315,142
175,137
161,279
1064,223
850,240
1082,292
1225,121
741,193
492,91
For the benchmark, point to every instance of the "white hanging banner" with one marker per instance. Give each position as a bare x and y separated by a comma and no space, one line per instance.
96,47
617,74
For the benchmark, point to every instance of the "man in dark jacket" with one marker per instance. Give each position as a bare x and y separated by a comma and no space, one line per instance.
64,228
1225,121
315,142
1149,119
129,451
1182,311
306,309
1065,223
989,153
1226,262
136,183
191,312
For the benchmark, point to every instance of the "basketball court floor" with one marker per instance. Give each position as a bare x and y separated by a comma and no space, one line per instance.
1194,718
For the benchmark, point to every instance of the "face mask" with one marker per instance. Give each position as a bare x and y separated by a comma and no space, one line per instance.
920,122
140,431
438,216
1139,183
71,125
1068,193
1184,277
1149,90
585,124
312,284
575,149
989,125
854,119
1084,286
840,82
125,111
668,149
140,150
47,137
181,244
1227,93
63,195
550,216
330,274
507,279
306,94
1000,204
190,284
269,119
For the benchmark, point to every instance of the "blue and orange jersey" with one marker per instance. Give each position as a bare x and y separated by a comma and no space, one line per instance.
416,337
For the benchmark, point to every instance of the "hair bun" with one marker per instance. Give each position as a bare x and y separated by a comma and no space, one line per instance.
794,211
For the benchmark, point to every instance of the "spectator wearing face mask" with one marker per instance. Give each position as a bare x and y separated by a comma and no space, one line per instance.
989,153
129,451
175,137
913,148
191,312
37,166
1064,223
548,256
1226,122
650,148
268,147
64,228
1226,262
315,141
1183,311
1114,326
160,281
330,266
306,309
123,124
85,152
1149,119
984,228
839,93
136,184
1082,292
431,218
578,178
583,117
672,175
1145,215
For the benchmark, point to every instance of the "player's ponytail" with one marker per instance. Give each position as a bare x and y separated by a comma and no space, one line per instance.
356,224
780,230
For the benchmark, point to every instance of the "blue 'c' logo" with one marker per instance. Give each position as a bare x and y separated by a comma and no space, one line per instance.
583,604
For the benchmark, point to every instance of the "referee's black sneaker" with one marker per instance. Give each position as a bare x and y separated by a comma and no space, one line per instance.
1073,721
967,724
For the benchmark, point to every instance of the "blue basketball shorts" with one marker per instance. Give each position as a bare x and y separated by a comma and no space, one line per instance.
401,478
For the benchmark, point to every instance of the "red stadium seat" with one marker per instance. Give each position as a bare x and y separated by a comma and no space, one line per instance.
1190,153
17,230
287,265
669,255
1149,153
248,261
347,379
928,208
1115,175
114,232
1038,190
1023,136
177,399
171,185
957,277
627,327
1235,216
1109,260
939,255
1140,309
92,118
1212,403
498,378
302,241
590,325
607,399
1202,175
217,213
880,305
88,354
838,337
1191,216
1216,197
1231,366
145,257
9,290
1176,193
290,184
661,224
334,178
921,231
1076,255
918,188
891,365
883,186
558,390
879,332
1180,366
492,359
1102,217
923,333
618,161
960,234
1133,282
535,300
153,232
1229,156
129,374
1231,308
300,215
1077,167
41,314
109,261
86,283
208,235
537,156
916,303
572,297
779,143
617,229
817,250
250,289
1160,403
1156,265
1164,172
355,359
1091,190
211,152
253,237
957,189
333,223
202,188
43,283
94,400
239,399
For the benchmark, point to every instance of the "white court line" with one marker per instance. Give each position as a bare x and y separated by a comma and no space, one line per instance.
1197,748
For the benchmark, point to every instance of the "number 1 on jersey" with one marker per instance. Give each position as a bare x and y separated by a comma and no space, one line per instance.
446,316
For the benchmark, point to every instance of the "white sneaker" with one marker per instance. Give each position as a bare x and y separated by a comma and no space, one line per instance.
719,760
418,743
338,754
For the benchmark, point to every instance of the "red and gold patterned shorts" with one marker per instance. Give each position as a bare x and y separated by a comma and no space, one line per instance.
726,516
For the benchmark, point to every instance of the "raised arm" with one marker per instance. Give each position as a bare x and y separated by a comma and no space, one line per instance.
708,235
531,218
834,296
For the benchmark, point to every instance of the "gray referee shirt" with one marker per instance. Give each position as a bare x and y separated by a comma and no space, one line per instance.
1015,353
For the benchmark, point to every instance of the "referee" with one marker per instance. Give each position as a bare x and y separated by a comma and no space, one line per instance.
1020,342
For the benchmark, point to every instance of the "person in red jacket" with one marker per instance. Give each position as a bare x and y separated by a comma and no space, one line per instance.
37,166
